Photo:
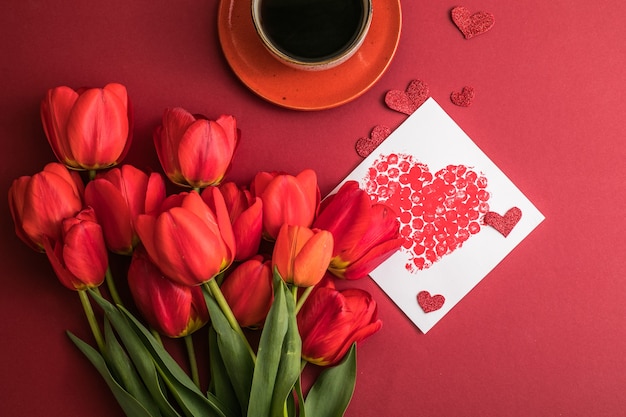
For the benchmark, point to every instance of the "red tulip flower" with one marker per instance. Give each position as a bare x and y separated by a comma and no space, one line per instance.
249,291
189,241
246,216
79,258
302,255
330,321
40,203
89,128
193,150
365,235
172,309
118,196
287,199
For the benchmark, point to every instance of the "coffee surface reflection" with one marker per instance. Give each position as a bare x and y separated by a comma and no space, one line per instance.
312,29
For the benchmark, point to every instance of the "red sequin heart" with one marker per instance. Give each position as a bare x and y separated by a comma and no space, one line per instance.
463,98
365,146
472,24
430,303
437,212
408,101
503,224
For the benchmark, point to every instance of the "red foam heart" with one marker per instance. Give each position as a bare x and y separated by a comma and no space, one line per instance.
503,224
437,212
409,100
470,24
463,98
365,146
430,303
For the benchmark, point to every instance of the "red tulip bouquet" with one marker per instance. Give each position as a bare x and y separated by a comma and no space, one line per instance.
254,267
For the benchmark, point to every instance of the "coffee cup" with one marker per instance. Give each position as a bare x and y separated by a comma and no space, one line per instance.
312,35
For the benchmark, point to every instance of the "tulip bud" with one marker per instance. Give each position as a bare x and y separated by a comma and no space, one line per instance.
249,291
193,150
246,216
302,255
286,199
79,258
89,128
189,241
365,235
172,309
330,321
39,203
118,196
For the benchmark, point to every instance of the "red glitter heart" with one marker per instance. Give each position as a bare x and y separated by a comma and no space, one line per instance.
408,101
430,303
365,146
503,224
463,98
437,212
472,24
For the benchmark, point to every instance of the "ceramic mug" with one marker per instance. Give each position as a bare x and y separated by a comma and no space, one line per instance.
312,34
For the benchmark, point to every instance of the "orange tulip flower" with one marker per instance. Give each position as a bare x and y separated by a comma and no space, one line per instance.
301,255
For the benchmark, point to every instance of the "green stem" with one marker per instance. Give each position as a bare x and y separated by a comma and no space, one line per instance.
303,298
156,336
91,318
193,363
92,174
112,289
215,291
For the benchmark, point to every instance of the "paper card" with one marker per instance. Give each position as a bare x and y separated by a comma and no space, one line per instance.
441,185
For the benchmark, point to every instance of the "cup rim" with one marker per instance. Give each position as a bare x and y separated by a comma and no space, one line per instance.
323,62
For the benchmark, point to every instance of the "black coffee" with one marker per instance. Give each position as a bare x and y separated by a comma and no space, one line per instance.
311,29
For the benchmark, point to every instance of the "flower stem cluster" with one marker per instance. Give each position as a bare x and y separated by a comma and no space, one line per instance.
261,262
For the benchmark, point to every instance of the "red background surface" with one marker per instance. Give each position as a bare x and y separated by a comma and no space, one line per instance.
543,335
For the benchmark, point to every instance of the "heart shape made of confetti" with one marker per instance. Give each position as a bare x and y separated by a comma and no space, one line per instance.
470,24
464,97
366,145
429,303
409,100
437,212
504,224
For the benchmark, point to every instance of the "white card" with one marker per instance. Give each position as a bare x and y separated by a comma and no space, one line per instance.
441,185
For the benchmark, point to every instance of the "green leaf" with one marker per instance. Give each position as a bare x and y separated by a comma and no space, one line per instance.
289,367
131,406
125,372
277,348
332,392
220,380
143,348
139,354
188,395
234,352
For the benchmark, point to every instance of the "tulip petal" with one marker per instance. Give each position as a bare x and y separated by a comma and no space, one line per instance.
113,214
204,153
247,229
384,226
369,261
55,112
312,260
85,253
98,128
347,217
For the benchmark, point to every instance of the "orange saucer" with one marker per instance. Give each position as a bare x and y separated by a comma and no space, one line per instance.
307,90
